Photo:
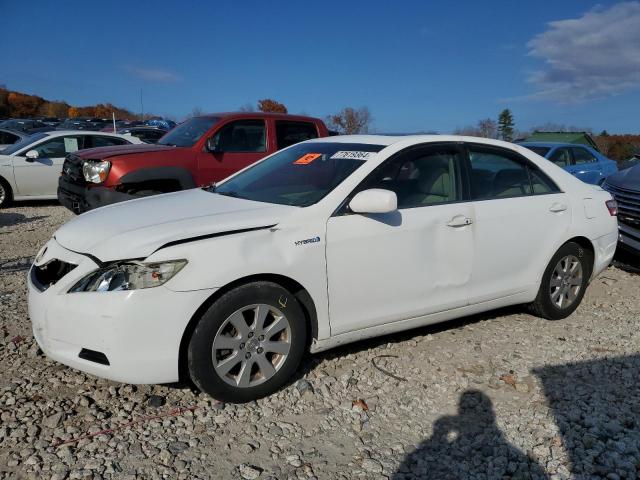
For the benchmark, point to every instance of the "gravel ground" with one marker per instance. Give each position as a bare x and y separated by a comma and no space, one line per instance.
502,395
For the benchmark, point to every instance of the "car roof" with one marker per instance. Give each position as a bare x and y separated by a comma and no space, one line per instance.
282,116
408,140
57,133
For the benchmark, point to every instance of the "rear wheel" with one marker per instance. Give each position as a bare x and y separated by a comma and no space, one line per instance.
564,282
248,344
5,193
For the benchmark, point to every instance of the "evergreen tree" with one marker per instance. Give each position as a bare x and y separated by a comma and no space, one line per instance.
505,125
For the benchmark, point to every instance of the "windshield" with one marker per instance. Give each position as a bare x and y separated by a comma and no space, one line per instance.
188,133
301,175
542,151
23,143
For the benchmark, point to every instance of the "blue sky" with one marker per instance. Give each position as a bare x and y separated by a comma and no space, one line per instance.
417,65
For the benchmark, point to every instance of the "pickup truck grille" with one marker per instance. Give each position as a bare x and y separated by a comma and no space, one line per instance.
628,204
72,170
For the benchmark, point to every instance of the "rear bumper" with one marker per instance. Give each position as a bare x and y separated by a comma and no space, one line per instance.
605,248
80,198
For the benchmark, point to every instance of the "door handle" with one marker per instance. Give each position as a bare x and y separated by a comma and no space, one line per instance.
557,207
459,221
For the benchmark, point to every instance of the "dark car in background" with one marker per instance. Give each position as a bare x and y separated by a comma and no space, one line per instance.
624,186
25,125
82,123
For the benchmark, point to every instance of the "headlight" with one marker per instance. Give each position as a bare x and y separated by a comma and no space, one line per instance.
128,276
96,172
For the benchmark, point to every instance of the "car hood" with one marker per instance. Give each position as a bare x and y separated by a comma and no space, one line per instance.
628,179
137,228
106,152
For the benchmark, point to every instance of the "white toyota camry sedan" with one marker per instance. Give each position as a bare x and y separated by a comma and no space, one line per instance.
326,242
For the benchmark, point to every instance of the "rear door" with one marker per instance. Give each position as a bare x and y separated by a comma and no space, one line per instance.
239,143
521,216
39,177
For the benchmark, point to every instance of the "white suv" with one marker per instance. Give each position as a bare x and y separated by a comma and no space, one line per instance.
324,243
29,169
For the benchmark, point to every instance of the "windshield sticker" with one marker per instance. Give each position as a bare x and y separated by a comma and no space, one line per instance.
306,159
353,155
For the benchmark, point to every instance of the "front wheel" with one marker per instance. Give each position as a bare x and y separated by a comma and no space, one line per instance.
248,344
564,282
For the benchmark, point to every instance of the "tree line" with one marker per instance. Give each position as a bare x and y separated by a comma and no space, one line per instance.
21,105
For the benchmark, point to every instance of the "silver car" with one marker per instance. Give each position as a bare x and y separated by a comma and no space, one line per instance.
29,169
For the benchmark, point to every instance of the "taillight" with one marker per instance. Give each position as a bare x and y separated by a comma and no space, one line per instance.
612,206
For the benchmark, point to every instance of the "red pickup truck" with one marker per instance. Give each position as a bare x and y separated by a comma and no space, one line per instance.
198,152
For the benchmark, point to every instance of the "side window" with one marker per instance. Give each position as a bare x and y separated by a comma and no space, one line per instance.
582,156
422,177
288,133
59,147
497,173
242,136
561,157
96,141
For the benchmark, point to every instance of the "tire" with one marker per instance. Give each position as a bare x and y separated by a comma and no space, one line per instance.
253,361
6,195
564,282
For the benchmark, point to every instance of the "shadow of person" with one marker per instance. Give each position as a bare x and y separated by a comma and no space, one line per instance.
468,445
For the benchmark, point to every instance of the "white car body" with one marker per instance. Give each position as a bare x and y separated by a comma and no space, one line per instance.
366,275
37,178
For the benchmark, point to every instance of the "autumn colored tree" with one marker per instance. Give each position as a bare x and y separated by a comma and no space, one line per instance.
349,120
73,112
21,105
269,105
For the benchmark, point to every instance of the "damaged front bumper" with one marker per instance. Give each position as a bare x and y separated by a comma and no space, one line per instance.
127,336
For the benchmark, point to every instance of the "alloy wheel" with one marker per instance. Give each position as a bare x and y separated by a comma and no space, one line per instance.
566,281
251,345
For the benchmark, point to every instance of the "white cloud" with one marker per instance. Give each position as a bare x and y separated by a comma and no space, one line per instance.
596,55
152,74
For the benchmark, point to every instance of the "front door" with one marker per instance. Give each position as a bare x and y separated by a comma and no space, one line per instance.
39,176
417,260
239,143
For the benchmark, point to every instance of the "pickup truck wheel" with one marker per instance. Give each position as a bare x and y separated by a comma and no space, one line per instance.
5,194
248,344
563,283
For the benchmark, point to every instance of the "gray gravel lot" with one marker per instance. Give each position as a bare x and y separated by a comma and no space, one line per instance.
502,395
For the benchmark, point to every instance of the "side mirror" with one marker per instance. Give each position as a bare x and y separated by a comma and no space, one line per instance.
212,145
374,200
32,155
